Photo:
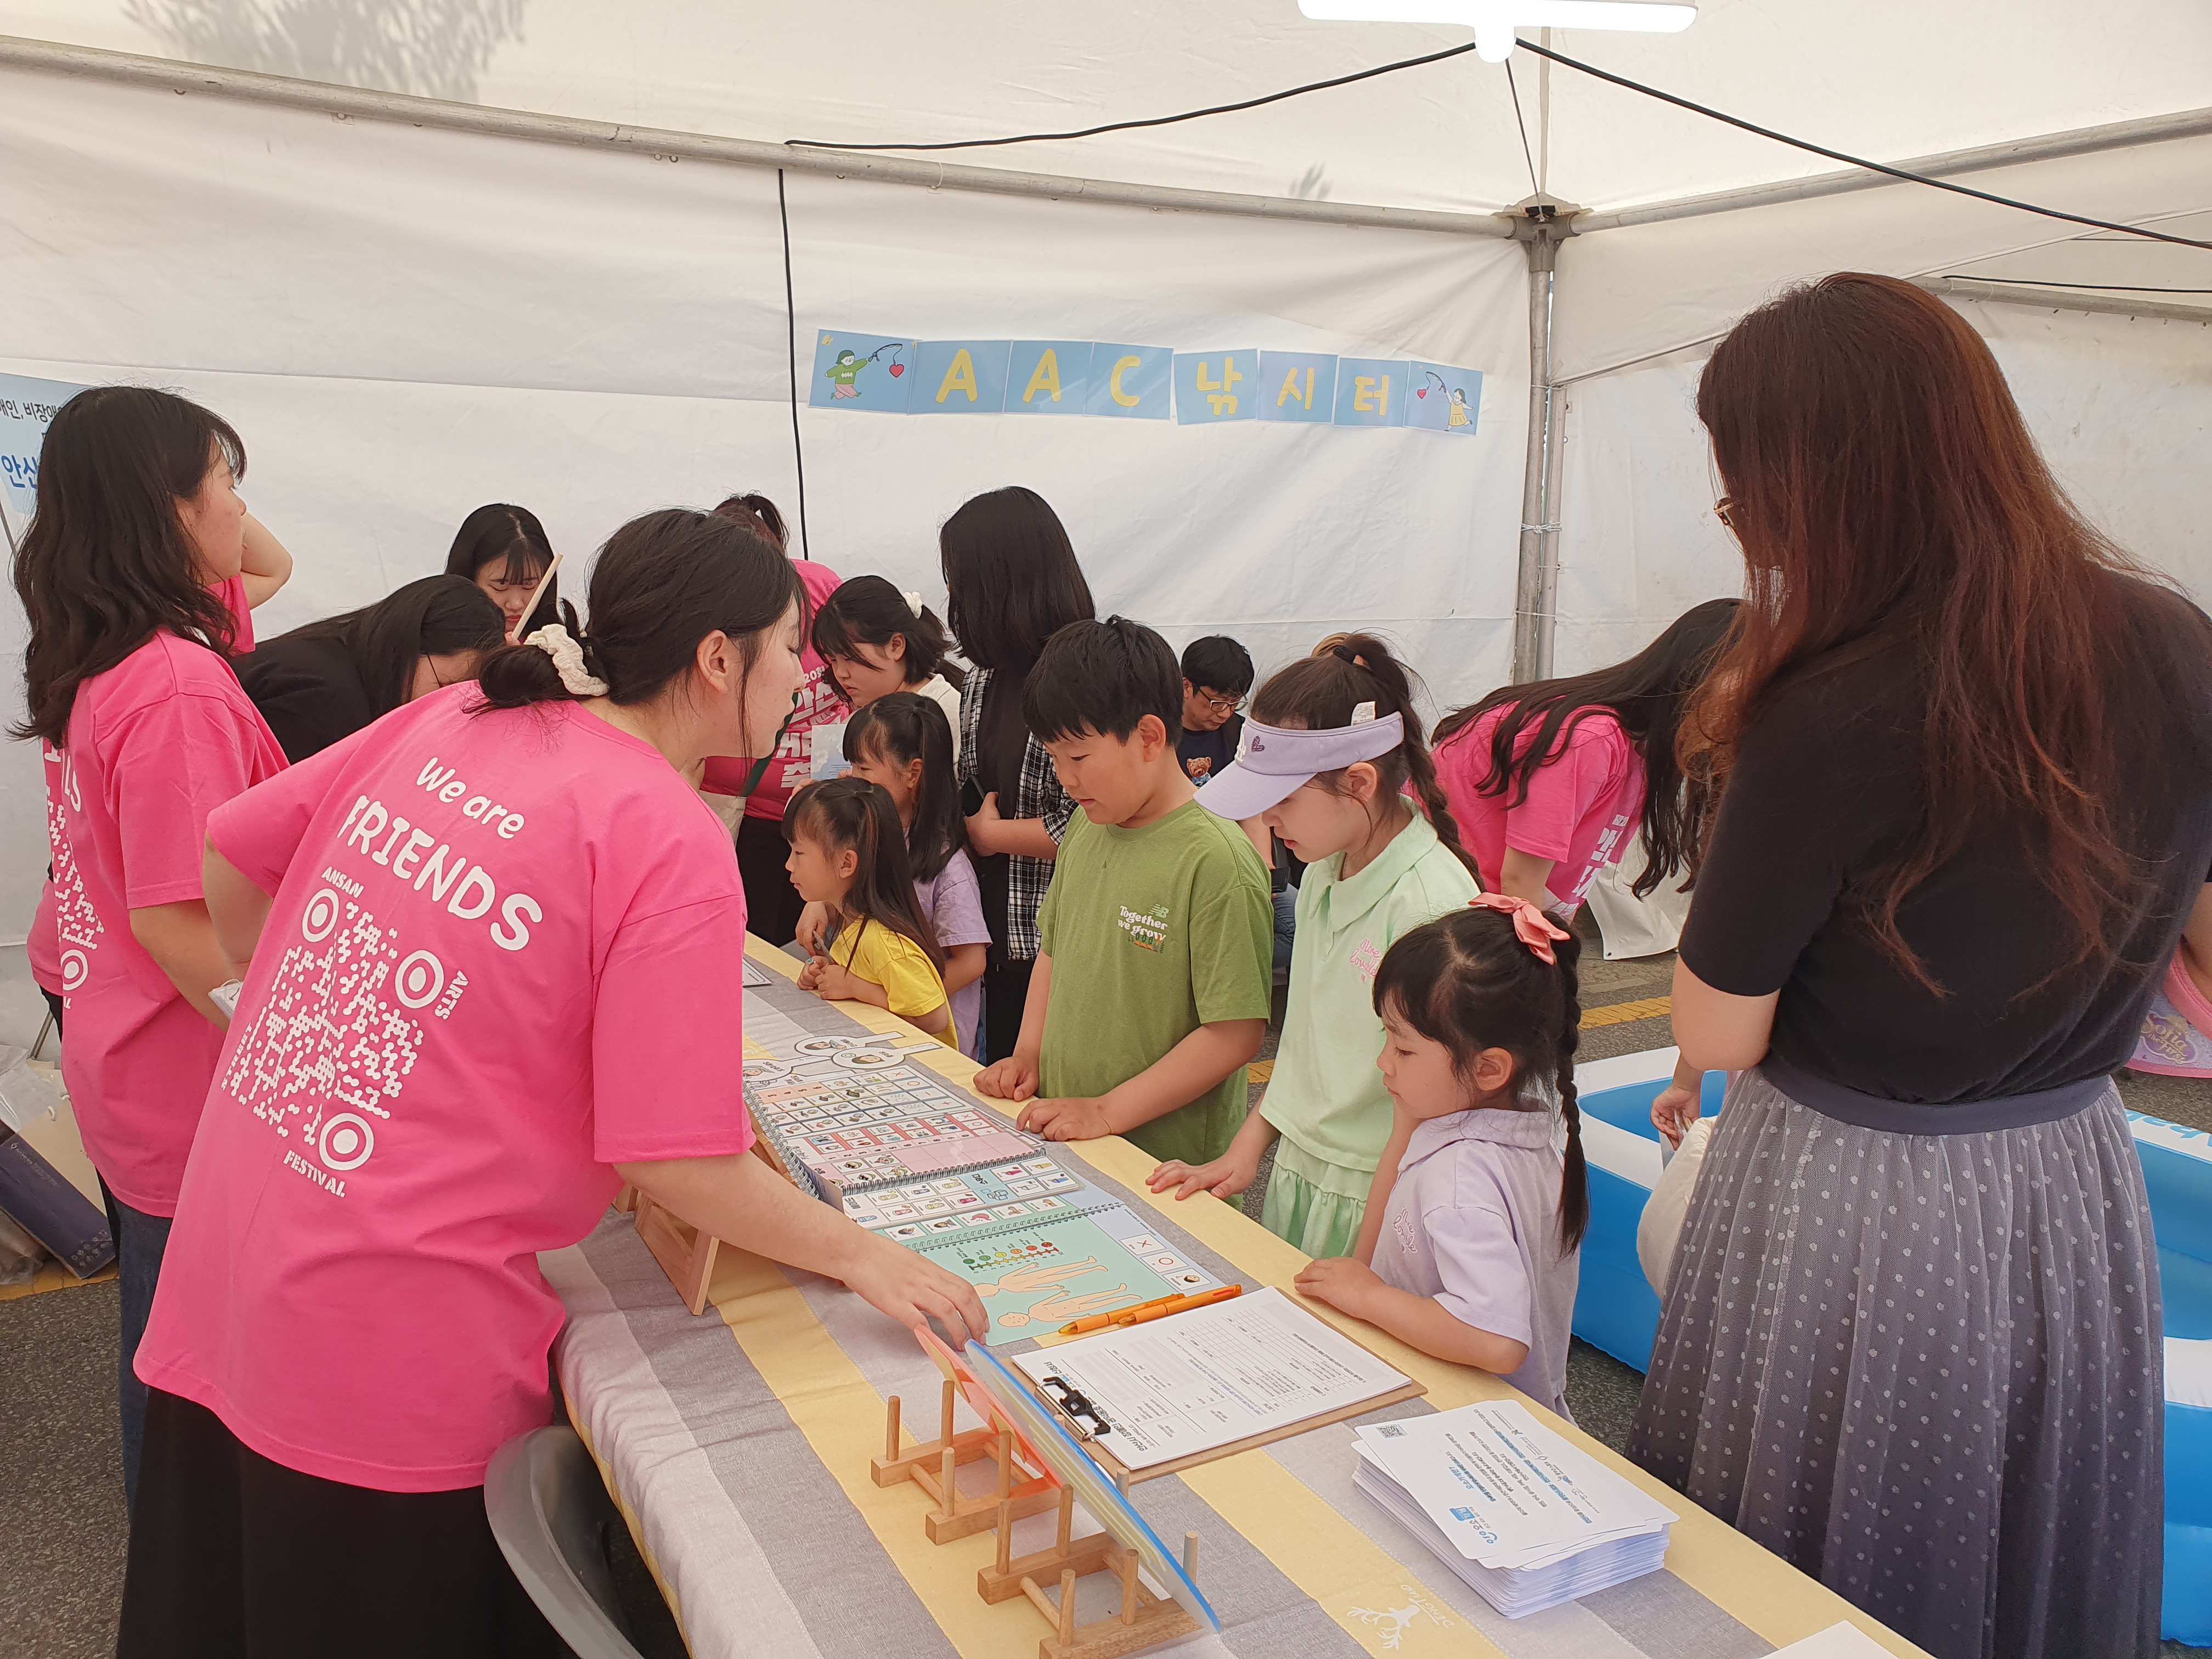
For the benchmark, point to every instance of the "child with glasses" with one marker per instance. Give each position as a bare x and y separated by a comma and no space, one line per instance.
1217,674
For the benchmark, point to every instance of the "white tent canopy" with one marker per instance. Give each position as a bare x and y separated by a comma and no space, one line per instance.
409,307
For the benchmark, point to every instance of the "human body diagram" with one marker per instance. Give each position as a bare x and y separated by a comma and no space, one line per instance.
1058,1307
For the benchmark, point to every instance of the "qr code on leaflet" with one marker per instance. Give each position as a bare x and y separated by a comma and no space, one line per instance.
326,1047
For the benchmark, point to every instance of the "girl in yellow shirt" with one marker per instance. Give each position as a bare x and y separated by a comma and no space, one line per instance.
848,852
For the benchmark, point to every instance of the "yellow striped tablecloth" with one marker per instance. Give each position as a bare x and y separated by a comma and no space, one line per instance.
738,1446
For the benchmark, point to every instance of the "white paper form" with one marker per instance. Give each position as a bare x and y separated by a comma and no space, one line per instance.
1505,1491
1199,1380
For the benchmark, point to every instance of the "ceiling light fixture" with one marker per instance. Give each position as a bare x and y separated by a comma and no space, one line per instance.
1495,21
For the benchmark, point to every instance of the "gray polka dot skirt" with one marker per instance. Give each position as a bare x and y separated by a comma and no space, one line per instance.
1926,1369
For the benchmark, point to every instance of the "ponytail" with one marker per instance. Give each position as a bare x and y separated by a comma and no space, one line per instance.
1467,981
869,610
1320,692
852,813
663,582
901,728
756,511
1574,1177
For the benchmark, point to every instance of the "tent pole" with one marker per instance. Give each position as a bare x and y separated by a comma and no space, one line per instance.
2047,147
2062,299
1539,224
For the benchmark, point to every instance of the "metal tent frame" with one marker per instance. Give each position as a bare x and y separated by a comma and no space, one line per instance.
1542,224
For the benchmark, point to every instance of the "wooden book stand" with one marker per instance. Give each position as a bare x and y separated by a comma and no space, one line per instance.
932,1464
1144,1619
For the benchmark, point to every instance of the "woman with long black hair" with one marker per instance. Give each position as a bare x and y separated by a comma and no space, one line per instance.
1011,582
493,947
328,679
138,530
504,550
1911,1340
1549,780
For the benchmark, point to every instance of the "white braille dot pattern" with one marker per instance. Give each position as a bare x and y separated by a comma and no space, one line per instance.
1926,1369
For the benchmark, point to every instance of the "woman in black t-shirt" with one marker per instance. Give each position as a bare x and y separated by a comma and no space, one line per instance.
328,679
1963,748
1011,582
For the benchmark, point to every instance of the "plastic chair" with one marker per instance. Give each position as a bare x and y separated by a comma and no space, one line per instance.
550,1515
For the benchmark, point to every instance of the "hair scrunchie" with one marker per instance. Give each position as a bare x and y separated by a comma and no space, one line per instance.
568,656
1534,928
913,603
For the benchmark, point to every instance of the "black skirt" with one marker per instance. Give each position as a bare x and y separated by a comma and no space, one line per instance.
235,1557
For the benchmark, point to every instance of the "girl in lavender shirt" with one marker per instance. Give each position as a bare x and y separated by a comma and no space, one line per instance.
1474,1223
904,743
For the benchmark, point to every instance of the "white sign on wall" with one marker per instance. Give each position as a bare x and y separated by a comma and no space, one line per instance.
26,406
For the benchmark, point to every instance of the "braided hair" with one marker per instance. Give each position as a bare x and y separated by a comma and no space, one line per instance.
1467,981
1319,692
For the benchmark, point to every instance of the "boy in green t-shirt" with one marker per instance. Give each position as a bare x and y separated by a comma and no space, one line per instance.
1151,981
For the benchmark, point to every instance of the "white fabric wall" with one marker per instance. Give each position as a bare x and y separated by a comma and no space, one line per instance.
1881,78
2122,407
405,323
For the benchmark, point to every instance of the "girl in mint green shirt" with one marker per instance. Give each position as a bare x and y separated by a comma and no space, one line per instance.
1331,746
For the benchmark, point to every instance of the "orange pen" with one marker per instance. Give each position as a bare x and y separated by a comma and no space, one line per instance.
1158,1308
1120,1316
1182,1304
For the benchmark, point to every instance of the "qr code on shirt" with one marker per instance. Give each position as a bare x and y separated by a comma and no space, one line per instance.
327,1051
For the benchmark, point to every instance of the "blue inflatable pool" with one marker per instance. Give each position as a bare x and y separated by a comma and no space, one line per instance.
1617,1311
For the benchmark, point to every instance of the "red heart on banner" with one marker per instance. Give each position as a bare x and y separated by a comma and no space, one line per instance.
1421,392
898,369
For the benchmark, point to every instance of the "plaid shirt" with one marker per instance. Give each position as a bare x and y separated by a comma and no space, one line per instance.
1039,796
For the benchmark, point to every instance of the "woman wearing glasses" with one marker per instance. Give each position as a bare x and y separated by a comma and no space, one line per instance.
1911,1340
327,680
1549,780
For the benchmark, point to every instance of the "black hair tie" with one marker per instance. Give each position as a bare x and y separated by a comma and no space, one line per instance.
1345,654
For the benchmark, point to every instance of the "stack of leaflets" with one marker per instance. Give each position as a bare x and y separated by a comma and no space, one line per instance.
1527,1520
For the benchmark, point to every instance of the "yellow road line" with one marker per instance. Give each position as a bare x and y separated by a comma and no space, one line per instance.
1619,1013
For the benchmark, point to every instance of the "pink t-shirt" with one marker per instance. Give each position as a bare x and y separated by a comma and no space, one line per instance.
43,945
156,745
234,595
819,702
1582,802
494,943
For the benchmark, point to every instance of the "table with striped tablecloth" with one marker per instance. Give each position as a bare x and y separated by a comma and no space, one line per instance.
738,1444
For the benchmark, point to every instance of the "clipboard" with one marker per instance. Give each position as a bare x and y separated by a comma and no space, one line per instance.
1091,1428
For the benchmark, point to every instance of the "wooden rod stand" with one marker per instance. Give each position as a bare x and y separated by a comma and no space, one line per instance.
686,1253
1145,1620
933,1465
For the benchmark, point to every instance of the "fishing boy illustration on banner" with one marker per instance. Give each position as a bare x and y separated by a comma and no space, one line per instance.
863,371
1444,399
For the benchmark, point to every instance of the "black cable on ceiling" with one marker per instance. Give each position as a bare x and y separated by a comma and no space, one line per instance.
791,347
2102,288
1694,108
1526,153
1856,160
1154,121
